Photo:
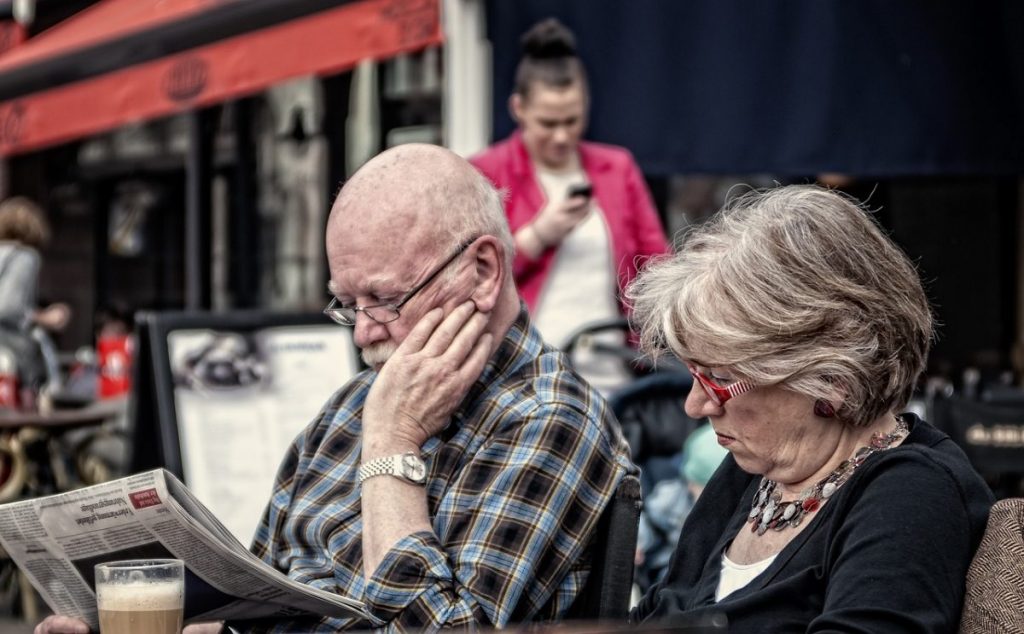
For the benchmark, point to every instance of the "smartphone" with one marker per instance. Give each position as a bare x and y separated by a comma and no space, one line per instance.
580,189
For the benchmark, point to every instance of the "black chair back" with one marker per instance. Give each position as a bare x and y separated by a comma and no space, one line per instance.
606,593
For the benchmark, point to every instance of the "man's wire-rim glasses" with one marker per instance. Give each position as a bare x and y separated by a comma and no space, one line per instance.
389,312
717,393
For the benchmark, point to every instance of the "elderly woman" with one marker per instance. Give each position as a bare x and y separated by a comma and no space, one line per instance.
805,329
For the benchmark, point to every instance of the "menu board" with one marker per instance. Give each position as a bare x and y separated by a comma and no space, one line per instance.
231,392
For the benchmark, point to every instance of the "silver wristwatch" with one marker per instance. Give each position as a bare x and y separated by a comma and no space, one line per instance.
407,466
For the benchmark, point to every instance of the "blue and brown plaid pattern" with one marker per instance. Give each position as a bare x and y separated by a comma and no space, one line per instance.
515,487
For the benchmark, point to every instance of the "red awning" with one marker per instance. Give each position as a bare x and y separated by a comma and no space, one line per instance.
105,21
11,35
83,76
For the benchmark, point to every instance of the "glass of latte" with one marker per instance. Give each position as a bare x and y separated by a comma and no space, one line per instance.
142,595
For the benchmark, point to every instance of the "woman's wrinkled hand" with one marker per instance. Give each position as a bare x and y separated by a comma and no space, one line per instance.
61,625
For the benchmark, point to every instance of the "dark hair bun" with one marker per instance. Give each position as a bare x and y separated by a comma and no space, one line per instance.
548,39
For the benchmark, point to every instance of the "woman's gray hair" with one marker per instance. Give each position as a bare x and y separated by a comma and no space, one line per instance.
794,286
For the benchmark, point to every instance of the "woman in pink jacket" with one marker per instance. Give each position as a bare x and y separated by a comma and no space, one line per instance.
581,214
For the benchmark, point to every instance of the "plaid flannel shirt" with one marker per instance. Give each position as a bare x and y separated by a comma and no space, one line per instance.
515,486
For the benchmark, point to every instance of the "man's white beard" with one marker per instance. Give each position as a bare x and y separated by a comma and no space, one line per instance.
375,355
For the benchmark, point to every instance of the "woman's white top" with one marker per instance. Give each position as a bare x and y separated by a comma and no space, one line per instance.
581,286
735,576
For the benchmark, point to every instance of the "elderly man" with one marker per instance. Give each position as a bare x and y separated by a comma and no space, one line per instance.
459,481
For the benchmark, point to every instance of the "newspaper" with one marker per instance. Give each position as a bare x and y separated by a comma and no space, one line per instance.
56,541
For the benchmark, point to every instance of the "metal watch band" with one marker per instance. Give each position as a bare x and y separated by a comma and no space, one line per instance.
388,465
376,467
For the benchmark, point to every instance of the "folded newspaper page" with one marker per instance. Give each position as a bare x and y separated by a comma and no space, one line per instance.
56,540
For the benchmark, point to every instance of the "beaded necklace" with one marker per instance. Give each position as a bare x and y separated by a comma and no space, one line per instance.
769,512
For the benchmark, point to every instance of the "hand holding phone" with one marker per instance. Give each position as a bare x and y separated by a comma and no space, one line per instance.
560,217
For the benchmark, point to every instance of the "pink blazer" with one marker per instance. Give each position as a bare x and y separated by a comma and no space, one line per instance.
619,188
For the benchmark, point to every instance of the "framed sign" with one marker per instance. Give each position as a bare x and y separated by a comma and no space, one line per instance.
218,398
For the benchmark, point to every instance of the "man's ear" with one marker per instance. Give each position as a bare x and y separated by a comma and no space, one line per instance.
489,268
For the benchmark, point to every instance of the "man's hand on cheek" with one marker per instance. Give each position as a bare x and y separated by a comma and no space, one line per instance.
425,380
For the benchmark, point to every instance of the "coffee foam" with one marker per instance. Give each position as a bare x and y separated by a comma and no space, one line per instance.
154,595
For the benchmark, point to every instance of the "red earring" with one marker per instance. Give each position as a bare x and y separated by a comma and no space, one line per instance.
824,409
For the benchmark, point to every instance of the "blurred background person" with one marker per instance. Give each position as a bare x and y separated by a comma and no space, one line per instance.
581,213
805,329
23,231
666,507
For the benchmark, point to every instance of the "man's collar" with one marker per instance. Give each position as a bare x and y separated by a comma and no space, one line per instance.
520,344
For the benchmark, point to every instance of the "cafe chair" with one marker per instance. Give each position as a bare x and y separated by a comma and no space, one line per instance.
994,600
605,596
14,467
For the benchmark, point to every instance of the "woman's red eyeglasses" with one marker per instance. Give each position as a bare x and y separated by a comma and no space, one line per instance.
717,393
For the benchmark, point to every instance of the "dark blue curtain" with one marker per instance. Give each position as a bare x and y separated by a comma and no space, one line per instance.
870,88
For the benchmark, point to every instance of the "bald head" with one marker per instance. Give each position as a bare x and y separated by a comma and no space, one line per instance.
423,196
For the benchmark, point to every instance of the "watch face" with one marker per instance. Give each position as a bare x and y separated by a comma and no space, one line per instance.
413,468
